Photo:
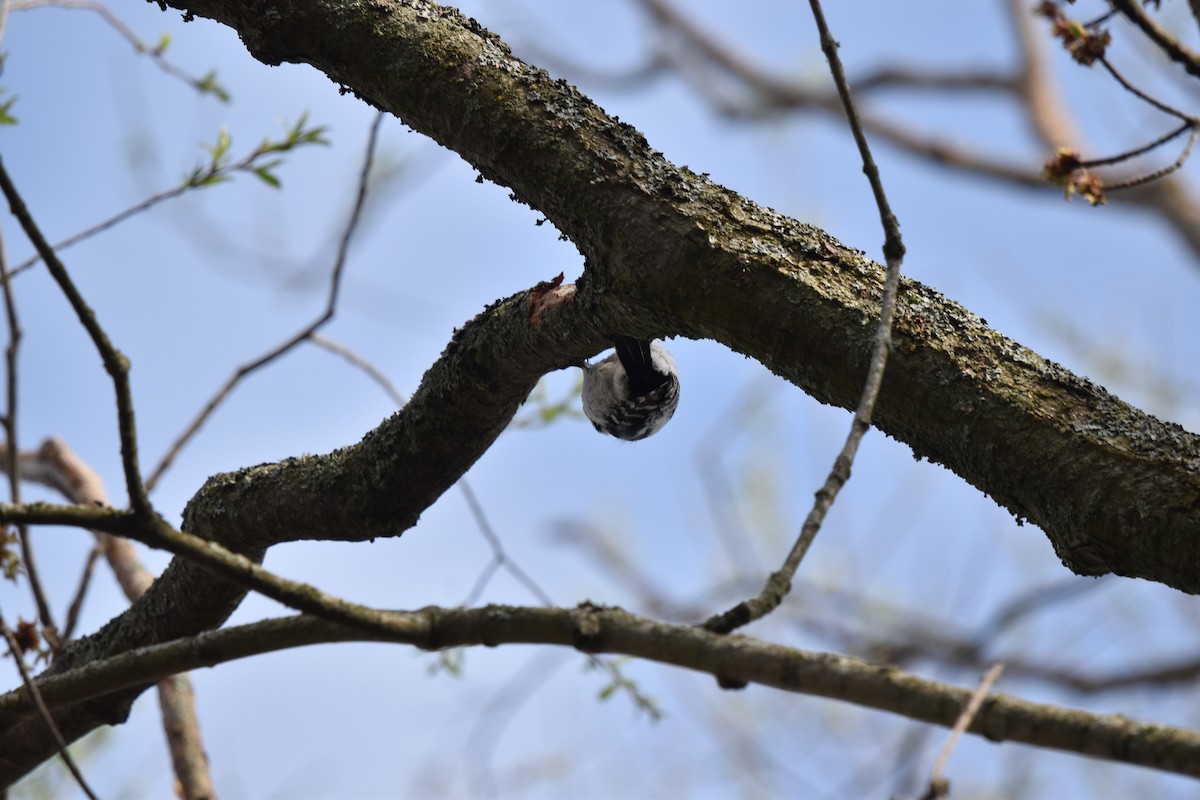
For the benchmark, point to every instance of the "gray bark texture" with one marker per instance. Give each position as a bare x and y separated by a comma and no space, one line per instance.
668,253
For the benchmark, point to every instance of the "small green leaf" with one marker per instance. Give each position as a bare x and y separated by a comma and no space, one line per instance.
299,134
264,174
164,42
450,662
219,150
204,177
6,116
209,85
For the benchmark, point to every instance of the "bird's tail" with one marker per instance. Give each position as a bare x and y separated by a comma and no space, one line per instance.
639,366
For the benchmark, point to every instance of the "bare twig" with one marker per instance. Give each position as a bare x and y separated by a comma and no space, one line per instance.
373,372
9,419
1087,44
1032,84
938,787
303,335
1145,98
115,363
1140,151
204,85
910,636
85,582
56,465
1165,42
201,177
14,481
499,557
42,709
779,583
225,563
1163,172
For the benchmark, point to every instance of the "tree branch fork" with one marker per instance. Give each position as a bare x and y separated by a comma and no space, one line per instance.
668,253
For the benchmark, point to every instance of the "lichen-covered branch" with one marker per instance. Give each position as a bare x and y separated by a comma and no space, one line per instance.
378,487
667,252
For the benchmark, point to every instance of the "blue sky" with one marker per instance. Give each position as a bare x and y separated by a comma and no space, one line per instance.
202,284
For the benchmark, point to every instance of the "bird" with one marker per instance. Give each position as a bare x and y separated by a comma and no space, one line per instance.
633,393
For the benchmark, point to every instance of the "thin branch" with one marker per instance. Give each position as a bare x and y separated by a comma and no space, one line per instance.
204,85
306,333
201,177
104,225
1160,173
372,372
593,629
910,636
482,580
115,363
223,562
85,582
1140,151
944,152
938,787
1040,101
499,557
9,420
1145,98
1087,541
31,687
1165,42
56,465
779,583
222,393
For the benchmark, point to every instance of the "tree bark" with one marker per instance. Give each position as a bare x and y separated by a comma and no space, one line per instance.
671,253
667,252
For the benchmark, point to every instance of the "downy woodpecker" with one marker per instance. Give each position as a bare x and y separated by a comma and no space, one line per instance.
632,393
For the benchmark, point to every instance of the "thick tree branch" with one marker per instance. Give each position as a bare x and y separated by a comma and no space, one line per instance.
382,484
674,253
1031,84
668,252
